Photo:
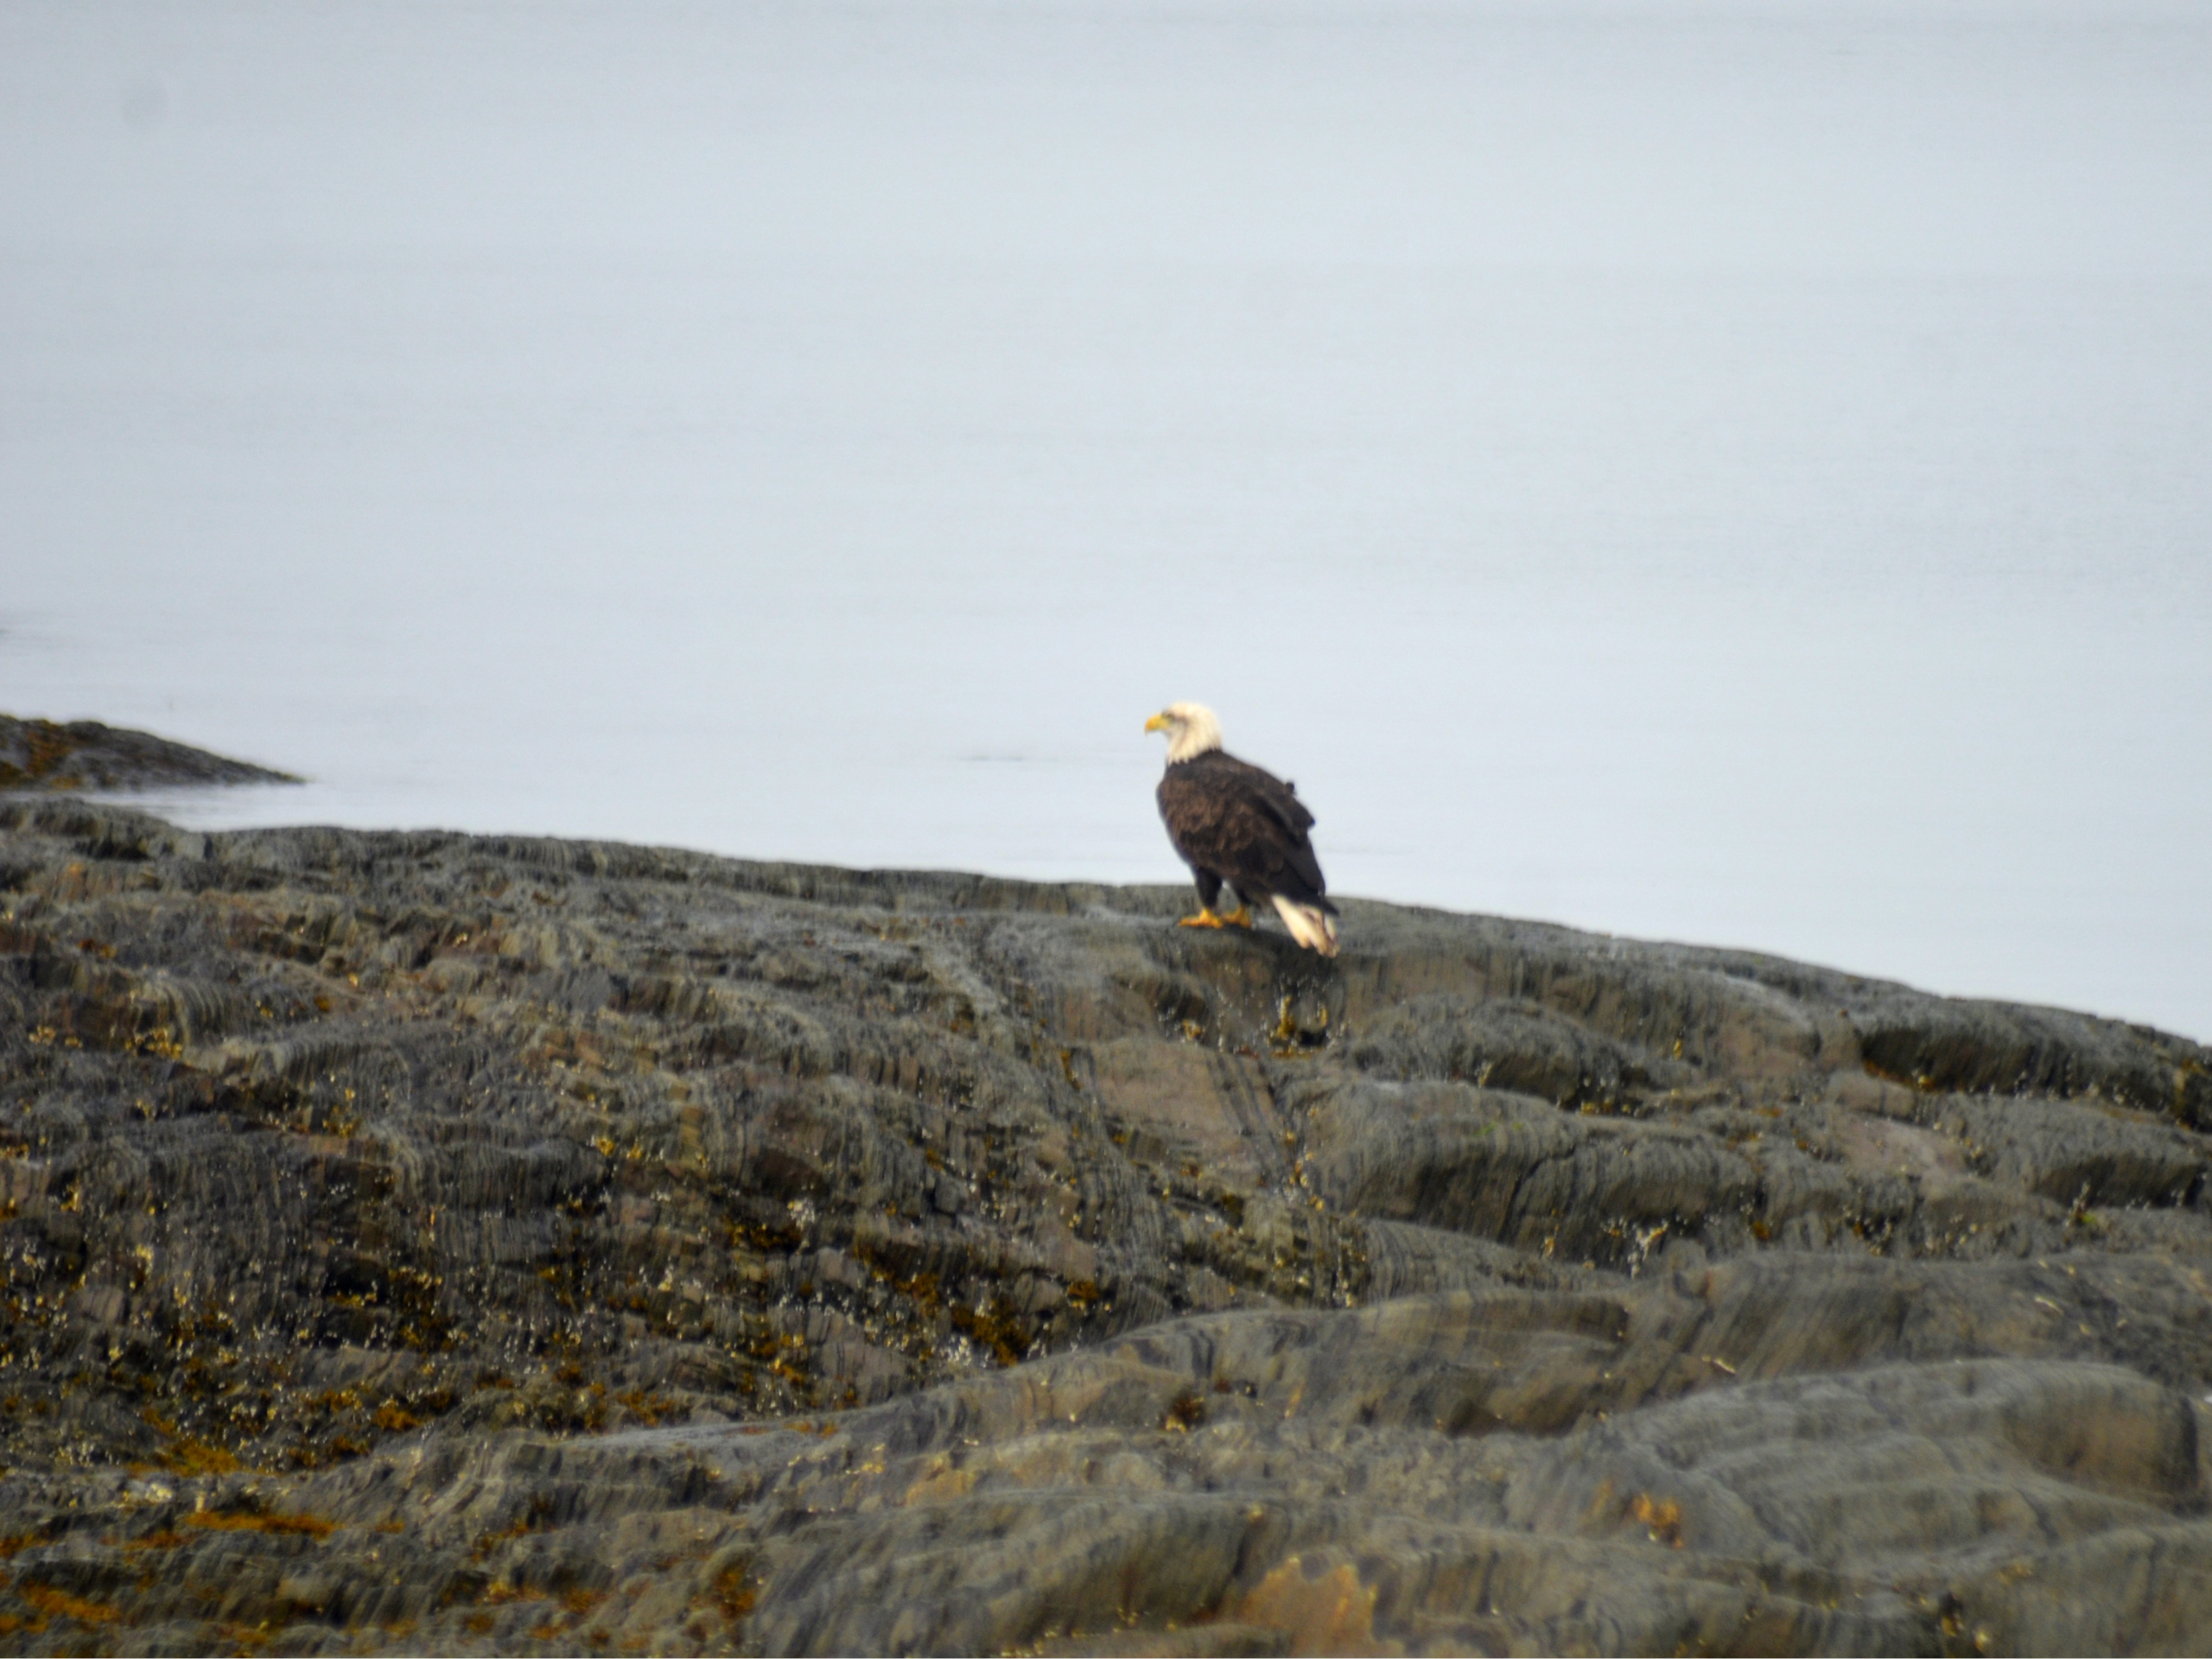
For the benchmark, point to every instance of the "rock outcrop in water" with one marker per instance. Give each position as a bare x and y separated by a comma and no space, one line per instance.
428,1242
44,754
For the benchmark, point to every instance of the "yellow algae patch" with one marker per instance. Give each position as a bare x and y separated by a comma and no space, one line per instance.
60,1604
940,1481
1331,1614
1662,1518
189,1457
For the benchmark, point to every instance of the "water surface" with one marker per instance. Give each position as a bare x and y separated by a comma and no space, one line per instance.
1734,473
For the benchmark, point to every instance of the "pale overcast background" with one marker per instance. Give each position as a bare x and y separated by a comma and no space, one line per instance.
1739,474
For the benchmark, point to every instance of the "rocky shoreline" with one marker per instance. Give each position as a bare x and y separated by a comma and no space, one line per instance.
421,1241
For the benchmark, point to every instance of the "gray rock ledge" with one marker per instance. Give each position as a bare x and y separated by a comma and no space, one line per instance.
46,755
428,1243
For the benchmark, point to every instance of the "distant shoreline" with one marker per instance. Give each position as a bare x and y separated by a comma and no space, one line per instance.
51,756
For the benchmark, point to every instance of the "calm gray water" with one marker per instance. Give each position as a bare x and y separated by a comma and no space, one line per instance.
1736,473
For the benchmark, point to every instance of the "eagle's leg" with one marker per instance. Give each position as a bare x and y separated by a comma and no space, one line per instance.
1209,886
1240,917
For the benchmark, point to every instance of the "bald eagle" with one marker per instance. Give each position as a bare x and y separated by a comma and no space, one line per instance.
1233,823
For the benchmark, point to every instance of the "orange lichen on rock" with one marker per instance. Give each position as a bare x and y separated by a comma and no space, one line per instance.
1662,1518
1331,1612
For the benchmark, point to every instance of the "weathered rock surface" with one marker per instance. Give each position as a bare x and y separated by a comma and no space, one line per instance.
44,754
421,1241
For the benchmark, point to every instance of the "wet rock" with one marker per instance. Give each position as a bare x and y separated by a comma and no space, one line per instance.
426,1242
1508,1043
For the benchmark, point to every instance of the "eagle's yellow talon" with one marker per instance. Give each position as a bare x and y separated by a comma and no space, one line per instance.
1240,917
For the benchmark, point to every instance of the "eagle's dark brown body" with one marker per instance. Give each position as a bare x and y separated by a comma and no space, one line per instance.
1233,823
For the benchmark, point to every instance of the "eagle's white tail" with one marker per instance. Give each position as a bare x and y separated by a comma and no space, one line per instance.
1310,925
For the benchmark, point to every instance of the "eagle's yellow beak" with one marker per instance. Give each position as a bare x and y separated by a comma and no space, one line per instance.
1157,724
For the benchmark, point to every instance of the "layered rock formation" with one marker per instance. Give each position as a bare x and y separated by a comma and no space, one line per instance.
421,1241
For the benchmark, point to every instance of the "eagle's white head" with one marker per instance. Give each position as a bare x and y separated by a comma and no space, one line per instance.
1191,729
